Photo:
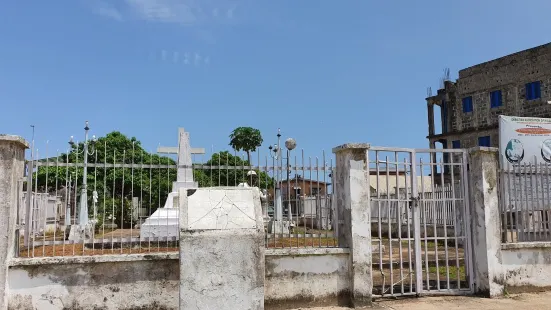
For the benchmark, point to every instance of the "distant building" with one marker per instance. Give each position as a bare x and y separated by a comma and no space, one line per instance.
397,184
515,85
300,186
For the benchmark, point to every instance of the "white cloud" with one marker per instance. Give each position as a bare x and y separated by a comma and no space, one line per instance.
170,11
186,59
187,12
197,58
110,12
107,10
229,13
202,17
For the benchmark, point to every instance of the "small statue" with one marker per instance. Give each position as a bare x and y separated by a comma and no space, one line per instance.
253,177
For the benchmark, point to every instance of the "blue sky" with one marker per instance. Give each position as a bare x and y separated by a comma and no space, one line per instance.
325,72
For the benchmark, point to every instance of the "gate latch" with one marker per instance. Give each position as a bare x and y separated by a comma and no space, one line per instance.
414,200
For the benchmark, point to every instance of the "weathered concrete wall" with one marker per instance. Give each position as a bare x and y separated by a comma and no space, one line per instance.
306,278
303,277
103,282
527,266
12,167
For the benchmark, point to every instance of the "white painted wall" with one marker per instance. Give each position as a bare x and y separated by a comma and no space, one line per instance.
306,276
527,265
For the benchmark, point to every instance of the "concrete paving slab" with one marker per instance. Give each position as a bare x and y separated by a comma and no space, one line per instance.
517,302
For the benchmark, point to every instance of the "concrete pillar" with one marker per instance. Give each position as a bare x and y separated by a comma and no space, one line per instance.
354,213
12,168
485,221
221,249
430,114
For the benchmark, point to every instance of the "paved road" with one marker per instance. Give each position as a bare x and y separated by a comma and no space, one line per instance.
516,302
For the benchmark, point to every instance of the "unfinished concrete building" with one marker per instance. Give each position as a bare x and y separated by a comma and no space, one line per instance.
514,85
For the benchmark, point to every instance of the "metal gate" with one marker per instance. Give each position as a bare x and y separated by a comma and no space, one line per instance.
420,222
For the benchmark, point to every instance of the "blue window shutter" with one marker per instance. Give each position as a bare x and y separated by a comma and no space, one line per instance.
495,99
456,144
467,104
533,90
484,141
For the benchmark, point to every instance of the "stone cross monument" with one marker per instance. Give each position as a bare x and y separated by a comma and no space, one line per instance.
185,165
164,221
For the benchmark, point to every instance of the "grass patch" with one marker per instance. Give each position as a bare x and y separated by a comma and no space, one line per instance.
301,242
306,230
454,272
79,250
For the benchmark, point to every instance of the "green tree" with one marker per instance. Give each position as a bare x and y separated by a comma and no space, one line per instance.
225,169
246,139
115,186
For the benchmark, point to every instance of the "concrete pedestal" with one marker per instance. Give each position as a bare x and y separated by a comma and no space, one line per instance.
81,232
221,249
279,227
164,221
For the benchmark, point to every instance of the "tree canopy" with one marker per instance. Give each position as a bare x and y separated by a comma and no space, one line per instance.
115,185
247,139
214,173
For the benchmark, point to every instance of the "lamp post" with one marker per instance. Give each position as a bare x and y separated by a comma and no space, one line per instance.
290,144
275,153
83,207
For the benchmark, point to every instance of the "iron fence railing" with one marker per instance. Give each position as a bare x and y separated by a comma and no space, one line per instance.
125,205
525,201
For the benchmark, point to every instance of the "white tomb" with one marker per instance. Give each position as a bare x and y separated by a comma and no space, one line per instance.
163,222
222,208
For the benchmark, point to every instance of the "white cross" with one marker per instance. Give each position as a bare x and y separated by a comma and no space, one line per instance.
184,151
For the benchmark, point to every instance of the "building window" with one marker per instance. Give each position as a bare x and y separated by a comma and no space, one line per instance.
533,90
467,104
484,141
495,99
456,144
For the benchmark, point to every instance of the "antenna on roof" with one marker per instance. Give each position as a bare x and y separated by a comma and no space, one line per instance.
429,91
445,77
446,74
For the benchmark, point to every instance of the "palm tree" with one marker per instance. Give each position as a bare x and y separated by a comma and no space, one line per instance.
246,139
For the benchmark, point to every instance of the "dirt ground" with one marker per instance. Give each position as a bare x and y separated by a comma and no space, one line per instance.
517,302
